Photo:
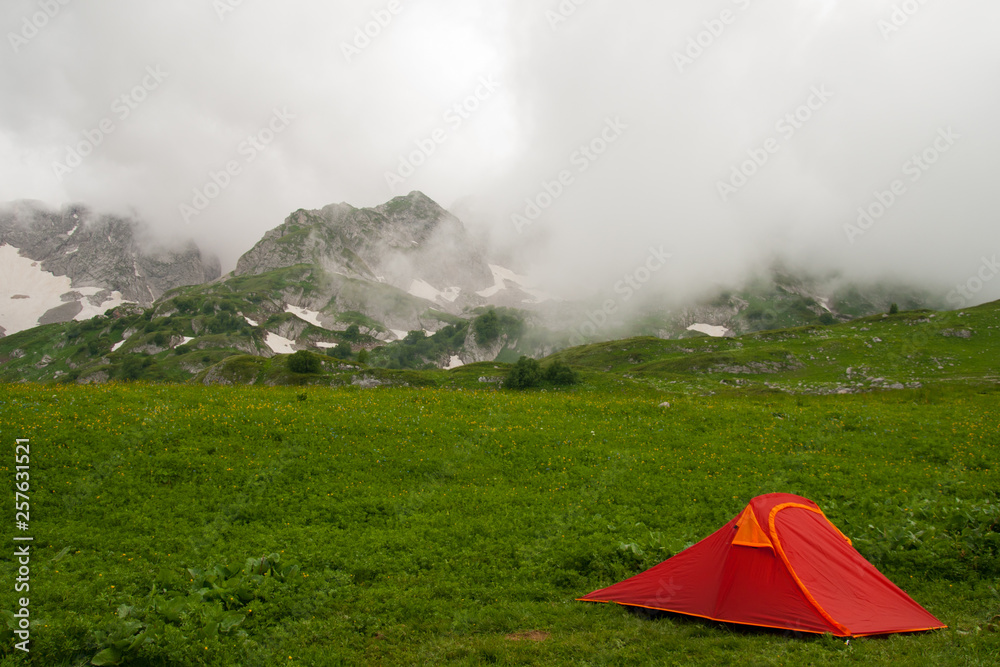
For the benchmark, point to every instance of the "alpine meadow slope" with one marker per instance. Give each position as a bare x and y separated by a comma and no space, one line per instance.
368,515
253,525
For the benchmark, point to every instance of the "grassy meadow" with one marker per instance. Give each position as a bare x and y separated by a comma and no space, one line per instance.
187,525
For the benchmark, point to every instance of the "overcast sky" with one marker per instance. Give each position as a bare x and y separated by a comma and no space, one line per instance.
725,133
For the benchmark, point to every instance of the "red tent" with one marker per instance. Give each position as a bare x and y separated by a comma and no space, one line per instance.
779,564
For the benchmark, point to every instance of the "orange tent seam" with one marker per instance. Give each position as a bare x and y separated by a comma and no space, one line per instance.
791,570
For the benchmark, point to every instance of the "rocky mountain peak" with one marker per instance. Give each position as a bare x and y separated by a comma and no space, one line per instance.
409,238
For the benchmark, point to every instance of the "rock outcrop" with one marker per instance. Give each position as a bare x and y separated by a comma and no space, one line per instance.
409,243
104,258
103,251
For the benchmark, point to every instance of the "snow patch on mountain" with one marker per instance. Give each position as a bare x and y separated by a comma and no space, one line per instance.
310,316
93,310
503,276
711,330
28,293
279,344
424,290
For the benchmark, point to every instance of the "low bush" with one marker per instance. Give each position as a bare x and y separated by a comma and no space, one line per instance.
304,362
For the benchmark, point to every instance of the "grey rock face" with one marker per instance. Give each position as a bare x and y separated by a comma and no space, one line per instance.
102,251
63,313
407,239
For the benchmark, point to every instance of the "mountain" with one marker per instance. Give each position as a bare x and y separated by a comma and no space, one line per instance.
402,285
337,279
407,239
405,266
409,243
781,297
71,264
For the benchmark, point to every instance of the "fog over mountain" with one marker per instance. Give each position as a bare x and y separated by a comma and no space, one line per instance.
581,137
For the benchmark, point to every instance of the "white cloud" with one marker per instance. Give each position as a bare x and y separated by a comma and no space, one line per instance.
657,186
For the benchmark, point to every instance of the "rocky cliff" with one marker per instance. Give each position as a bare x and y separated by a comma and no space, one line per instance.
409,243
72,261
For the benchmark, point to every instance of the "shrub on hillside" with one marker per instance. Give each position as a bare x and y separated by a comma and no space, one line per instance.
486,328
134,367
186,305
342,351
417,350
224,322
527,372
559,373
489,326
353,333
304,361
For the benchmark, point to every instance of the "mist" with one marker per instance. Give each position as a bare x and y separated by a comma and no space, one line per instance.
579,137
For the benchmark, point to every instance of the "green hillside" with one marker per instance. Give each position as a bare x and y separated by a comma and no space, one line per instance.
190,332
904,350
366,515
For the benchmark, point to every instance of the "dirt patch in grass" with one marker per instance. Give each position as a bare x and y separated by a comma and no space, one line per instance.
533,636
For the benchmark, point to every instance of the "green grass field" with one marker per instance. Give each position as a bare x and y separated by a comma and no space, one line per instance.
183,525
